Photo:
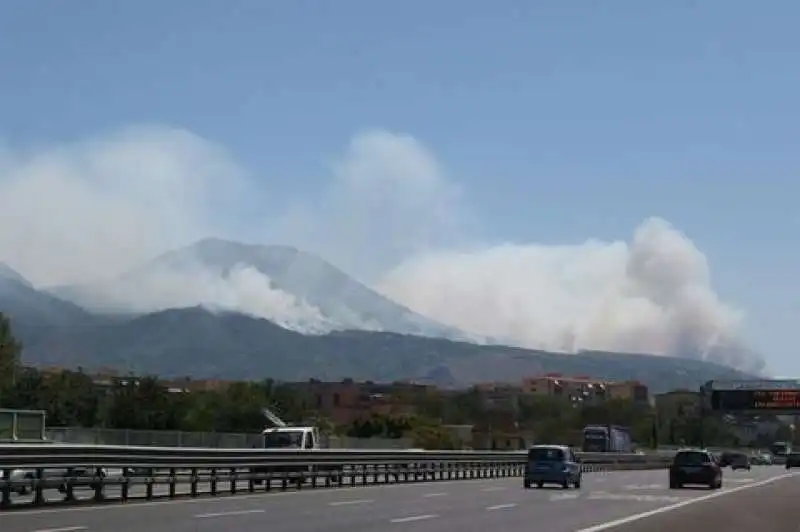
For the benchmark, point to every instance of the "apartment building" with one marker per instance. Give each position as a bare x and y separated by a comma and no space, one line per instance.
584,389
577,389
678,402
629,390
346,401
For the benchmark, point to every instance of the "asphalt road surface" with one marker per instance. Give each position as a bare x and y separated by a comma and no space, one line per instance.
626,501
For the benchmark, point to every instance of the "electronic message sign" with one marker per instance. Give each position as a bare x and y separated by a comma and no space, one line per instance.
771,395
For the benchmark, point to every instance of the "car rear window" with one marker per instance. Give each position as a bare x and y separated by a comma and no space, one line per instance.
543,454
691,458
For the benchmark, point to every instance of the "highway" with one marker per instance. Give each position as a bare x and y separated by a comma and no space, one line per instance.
624,501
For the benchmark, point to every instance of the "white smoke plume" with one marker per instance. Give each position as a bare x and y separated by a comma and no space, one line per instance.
651,295
85,212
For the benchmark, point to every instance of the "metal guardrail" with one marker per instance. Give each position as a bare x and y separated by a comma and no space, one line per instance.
37,469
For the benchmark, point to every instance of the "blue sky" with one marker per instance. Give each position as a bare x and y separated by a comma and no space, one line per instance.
562,121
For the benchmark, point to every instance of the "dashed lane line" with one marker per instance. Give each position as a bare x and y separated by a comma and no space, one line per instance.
62,529
413,518
228,514
501,506
351,502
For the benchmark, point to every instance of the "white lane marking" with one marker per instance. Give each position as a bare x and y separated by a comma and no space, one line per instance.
64,529
739,480
606,496
440,494
564,496
413,518
501,506
634,487
665,509
226,514
495,488
355,501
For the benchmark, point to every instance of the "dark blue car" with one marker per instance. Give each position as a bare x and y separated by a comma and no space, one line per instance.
552,464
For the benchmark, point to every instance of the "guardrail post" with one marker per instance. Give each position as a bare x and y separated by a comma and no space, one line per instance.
98,484
213,481
234,480
126,478
193,482
69,488
148,486
173,479
251,482
5,493
38,489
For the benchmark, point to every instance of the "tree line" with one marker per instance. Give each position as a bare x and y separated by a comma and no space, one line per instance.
72,398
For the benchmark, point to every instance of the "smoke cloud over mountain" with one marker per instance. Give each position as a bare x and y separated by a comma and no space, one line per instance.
86,212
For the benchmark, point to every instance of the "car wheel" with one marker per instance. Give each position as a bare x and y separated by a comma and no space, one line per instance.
526,485
578,484
539,485
565,484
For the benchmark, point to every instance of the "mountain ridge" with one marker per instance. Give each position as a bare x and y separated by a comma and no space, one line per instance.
200,343
334,299
204,340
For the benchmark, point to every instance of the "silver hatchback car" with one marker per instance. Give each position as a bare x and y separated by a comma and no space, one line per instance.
552,464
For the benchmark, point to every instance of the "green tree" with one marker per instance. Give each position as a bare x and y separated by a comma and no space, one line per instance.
240,408
432,437
10,350
467,407
70,399
141,403
26,393
200,411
